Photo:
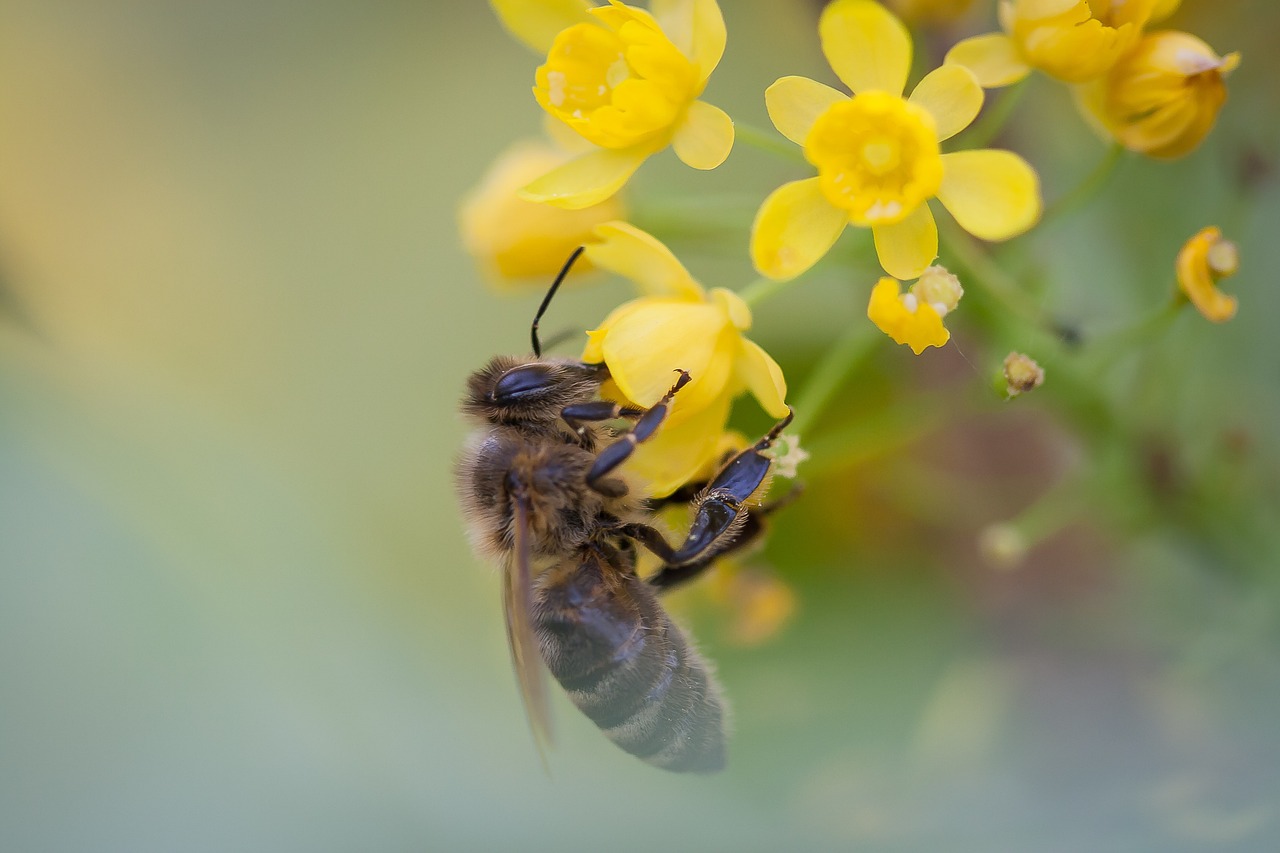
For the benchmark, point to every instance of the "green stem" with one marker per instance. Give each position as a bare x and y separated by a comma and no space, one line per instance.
831,372
1086,189
994,281
767,141
991,122
1107,348
763,289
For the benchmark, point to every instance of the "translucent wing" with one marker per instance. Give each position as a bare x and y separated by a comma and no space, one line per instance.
517,604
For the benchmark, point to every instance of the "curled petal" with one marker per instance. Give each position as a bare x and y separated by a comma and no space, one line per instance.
696,27
794,104
588,179
704,138
992,58
994,195
536,23
794,228
918,329
757,370
867,47
906,248
634,254
646,343
952,96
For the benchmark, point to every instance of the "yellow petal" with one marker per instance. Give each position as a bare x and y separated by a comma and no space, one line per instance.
794,228
735,308
538,22
1163,9
645,344
588,179
992,58
868,48
952,96
704,138
630,252
1197,279
794,104
696,27
680,449
907,248
919,329
994,195
756,369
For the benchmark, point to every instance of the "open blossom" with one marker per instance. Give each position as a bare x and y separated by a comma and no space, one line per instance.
914,318
627,82
677,325
878,155
1072,40
513,239
1163,98
1204,259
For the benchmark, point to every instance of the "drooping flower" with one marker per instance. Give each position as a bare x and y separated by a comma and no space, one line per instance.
514,240
914,318
1072,40
628,82
1163,98
878,155
677,325
1202,261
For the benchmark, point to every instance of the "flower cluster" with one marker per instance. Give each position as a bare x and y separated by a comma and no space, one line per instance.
1155,93
619,84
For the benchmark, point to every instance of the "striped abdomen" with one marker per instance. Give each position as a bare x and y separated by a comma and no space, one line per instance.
629,668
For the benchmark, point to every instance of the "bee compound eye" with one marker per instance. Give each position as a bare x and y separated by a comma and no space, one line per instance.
520,383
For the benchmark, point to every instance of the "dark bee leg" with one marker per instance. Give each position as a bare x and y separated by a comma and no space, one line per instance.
720,512
578,415
670,576
646,425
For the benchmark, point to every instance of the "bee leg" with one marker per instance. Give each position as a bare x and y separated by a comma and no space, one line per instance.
720,517
578,415
646,425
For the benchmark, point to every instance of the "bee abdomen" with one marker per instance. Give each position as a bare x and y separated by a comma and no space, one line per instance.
631,670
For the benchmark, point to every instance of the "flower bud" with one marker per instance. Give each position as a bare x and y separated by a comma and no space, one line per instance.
1021,374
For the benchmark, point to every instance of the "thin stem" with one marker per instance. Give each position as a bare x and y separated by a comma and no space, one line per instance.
1107,348
768,141
763,289
1086,189
996,283
990,123
831,372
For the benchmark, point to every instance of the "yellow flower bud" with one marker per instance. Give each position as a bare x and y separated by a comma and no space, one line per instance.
513,239
1204,259
1021,374
1163,98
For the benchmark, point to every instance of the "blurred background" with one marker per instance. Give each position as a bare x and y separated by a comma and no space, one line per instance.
238,611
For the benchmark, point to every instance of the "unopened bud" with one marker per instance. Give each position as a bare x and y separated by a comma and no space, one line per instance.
1021,374
938,288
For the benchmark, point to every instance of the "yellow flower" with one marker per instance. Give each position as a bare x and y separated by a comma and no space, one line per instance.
1163,98
914,318
676,325
1204,259
513,239
878,155
1072,40
628,82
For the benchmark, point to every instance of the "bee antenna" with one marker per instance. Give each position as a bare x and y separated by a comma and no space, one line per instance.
546,300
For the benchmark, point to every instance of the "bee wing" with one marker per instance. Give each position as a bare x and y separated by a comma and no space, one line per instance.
517,604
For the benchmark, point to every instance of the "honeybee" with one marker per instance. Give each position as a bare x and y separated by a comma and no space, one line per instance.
540,490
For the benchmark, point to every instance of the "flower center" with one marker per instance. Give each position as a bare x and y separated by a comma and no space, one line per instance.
616,85
877,157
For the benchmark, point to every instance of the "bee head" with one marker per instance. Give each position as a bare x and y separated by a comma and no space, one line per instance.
511,390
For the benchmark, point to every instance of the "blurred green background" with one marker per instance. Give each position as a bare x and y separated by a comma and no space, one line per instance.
237,609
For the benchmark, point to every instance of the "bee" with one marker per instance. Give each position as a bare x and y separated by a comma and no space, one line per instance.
540,489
